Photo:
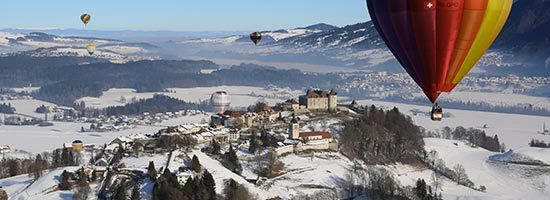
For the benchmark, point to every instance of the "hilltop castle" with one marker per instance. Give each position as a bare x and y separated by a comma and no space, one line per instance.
320,100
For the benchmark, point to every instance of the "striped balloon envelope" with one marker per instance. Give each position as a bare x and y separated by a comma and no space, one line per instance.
438,42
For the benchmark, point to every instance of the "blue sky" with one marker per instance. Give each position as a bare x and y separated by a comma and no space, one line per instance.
180,15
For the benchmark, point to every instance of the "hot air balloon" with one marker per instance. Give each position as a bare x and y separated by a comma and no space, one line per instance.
91,49
438,41
220,100
256,37
85,18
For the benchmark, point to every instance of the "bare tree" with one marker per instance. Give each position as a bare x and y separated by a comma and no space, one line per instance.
461,175
437,181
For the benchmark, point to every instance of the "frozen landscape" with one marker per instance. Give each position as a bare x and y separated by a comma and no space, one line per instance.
309,173
275,100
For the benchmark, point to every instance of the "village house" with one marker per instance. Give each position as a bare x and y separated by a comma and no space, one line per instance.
305,137
5,149
291,105
317,136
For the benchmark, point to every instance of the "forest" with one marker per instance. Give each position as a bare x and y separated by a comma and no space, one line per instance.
157,104
474,137
380,136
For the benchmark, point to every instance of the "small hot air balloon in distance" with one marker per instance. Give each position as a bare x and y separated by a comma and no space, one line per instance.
256,37
438,42
85,18
90,48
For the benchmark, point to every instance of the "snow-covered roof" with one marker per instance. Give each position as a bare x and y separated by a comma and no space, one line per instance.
111,147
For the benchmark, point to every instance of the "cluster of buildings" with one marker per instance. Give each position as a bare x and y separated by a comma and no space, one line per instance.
117,123
314,100
226,127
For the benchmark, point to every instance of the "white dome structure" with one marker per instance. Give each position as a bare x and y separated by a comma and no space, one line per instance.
220,100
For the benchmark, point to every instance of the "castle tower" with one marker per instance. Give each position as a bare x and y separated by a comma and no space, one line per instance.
294,128
333,101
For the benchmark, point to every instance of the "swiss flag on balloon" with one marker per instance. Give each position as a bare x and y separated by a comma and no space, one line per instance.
430,5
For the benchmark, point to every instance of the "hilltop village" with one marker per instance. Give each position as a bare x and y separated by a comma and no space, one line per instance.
247,142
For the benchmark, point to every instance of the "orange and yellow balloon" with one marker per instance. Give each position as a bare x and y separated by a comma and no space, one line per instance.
438,42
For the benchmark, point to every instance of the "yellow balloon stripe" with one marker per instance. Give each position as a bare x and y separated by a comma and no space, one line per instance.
495,17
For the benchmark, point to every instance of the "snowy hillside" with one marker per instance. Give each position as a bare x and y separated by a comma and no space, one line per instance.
45,45
502,181
268,36
24,187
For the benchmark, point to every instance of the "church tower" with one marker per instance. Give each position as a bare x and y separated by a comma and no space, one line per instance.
294,128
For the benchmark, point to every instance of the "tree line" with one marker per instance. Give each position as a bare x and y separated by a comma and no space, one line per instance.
199,186
375,182
474,137
34,166
158,104
64,83
539,143
6,108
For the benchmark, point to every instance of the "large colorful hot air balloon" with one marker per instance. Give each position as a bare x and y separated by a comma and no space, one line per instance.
85,18
256,37
438,41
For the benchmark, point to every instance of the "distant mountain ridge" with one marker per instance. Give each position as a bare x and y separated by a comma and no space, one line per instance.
38,44
527,31
521,48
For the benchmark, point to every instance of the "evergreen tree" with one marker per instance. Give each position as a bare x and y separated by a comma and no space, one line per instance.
209,186
121,191
216,149
231,161
253,147
82,177
195,164
189,187
64,183
198,193
421,189
136,193
14,167
94,176
234,190
151,171
38,167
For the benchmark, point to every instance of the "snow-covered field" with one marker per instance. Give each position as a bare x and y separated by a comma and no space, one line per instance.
502,180
497,99
514,130
240,95
27,107
40,139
